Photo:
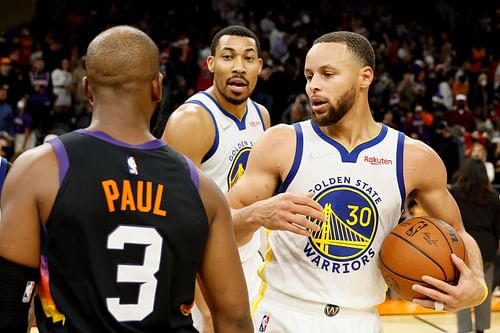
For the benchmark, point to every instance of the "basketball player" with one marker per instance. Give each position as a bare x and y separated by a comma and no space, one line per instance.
361,172
116,223
217,128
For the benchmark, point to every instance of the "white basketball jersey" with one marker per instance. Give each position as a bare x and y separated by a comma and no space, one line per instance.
226,160
362,194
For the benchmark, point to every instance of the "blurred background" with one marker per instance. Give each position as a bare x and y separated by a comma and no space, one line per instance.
437,75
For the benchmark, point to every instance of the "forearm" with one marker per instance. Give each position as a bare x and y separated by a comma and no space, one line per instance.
474,259
245,223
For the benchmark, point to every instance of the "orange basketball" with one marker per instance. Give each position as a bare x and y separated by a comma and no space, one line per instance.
419,246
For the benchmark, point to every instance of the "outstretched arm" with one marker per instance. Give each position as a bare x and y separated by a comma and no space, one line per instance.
252,197
429,189
221,275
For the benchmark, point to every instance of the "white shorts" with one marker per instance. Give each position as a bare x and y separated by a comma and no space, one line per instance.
278,313
251,260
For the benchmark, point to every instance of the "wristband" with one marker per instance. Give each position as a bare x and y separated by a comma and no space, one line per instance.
485,293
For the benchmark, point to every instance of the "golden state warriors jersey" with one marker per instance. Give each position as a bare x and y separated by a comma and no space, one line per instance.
362,193
226,160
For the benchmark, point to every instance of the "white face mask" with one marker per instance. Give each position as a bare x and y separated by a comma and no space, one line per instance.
483,82
21,104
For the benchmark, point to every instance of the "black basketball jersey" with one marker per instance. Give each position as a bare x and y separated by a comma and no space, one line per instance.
124,239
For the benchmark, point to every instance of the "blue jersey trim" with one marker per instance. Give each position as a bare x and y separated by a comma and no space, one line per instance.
3,171
299,148
351,157
212,149
260,115
240,123
399,168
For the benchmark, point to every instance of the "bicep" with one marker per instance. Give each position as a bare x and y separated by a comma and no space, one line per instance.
259,181
426,175
20,223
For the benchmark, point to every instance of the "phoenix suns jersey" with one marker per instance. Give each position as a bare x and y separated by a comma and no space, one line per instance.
124,240
362,194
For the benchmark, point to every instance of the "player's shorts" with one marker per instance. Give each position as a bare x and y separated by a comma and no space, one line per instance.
279,313
251,260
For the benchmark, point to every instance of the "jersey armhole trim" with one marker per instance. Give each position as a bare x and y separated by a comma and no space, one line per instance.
399,168
215,144
62,157
3,171
193,172
259,112
299,147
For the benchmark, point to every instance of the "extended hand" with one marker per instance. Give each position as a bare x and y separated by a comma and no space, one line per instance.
289,211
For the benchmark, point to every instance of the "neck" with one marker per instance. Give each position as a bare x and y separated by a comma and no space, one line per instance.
356,127
123,119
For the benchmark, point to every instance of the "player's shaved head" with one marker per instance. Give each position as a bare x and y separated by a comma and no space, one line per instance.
122,58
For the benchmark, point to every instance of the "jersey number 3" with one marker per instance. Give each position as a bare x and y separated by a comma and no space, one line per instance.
143,274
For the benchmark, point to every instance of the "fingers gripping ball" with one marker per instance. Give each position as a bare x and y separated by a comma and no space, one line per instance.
419,246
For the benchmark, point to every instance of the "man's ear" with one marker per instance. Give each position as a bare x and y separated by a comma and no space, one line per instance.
366,77
87,90
157,86
210,64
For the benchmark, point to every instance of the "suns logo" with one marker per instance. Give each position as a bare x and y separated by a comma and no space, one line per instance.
350,226
238,166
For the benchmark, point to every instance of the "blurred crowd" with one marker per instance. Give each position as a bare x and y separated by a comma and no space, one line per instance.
437,75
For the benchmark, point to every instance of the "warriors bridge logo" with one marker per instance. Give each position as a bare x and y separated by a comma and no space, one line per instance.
348,231
238,166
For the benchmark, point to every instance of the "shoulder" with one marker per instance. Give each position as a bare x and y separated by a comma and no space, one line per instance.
35,169
422,166
187,119
36,158
279,134
190,113
278,141
417,151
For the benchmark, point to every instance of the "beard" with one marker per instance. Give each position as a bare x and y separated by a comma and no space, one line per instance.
233,99
336,113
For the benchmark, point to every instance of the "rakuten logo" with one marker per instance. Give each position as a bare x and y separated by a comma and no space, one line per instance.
377,160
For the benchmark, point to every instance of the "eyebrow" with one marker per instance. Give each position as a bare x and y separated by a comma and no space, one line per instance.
321,68
228,48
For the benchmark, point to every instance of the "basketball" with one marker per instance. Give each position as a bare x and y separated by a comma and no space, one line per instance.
419,246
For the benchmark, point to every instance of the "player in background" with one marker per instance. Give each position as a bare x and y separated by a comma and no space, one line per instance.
114,224
218,127
361,172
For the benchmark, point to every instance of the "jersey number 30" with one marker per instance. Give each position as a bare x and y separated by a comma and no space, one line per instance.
143,274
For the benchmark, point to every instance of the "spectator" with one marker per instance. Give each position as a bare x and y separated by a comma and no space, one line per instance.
480,209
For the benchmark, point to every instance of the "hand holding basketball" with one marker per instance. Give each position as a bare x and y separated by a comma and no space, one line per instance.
416,247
